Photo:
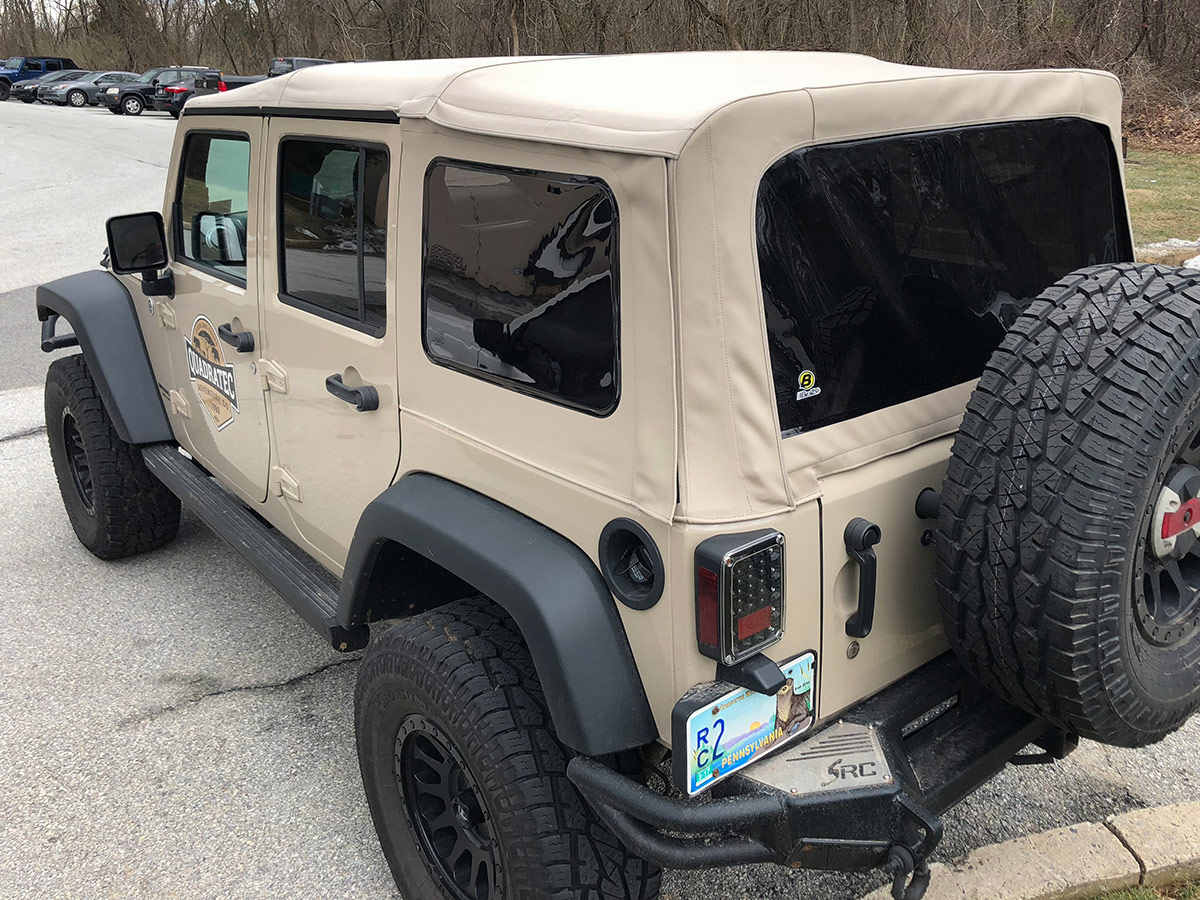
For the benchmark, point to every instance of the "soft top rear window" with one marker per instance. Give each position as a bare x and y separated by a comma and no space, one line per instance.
891,267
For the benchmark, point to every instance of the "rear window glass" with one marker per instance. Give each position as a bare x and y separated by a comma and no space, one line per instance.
520,281
892,267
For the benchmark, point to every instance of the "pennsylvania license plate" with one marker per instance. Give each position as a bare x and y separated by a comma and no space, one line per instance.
741,726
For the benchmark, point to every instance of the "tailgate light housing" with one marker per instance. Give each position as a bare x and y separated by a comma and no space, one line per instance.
739,594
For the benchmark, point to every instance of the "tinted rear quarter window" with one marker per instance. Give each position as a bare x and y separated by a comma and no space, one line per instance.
519,281
892,267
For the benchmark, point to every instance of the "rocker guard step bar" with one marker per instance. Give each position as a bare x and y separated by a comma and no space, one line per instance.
943,736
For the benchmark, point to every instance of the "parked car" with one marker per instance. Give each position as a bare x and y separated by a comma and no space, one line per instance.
657,413
133,97
79,92
170,98
283,64
22,68
27,91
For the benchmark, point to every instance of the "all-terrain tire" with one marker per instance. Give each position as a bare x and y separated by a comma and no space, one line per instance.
1042,542
463,671
116,506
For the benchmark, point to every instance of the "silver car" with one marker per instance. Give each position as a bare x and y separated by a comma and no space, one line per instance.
82,91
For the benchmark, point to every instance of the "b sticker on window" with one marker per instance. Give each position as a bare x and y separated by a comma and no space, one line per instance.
808,385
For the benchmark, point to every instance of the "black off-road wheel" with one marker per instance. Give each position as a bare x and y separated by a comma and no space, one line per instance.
115,505
1069,534
464,776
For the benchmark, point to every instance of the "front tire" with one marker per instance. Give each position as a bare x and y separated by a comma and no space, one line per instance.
115,505
132,105
1079,451
78,99
464,776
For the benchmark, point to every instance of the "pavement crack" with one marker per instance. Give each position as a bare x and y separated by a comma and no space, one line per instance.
1124,843
159,711
23,433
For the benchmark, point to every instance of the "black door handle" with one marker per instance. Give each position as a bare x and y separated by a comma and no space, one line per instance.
861,537
364,398
241,341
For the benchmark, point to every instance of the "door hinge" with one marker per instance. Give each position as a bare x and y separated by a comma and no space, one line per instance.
271,376
285,484
179,405
166,313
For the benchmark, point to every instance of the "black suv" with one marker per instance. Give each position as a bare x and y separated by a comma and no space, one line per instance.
130,99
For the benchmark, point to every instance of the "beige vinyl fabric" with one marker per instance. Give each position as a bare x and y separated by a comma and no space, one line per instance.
735,466
647,103
720,119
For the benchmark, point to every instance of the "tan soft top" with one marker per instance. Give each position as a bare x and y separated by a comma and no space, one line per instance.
648,103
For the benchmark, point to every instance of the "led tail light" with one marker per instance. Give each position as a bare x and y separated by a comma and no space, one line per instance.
739,594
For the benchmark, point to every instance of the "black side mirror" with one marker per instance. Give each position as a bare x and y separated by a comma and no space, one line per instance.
217,239
138,243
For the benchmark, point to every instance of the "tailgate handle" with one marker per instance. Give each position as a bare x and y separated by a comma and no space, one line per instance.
364,398
861,537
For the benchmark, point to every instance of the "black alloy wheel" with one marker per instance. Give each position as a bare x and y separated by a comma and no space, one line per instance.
1167,584
77,461
444,807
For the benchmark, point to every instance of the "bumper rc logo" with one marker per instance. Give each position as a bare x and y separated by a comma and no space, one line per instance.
210,376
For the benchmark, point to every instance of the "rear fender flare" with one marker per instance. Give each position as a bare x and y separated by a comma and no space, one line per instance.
101,312
549,586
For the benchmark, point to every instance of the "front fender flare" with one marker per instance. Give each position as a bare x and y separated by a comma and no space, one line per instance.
101,312
549,586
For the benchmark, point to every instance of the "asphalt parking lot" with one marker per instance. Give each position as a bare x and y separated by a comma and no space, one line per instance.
168,727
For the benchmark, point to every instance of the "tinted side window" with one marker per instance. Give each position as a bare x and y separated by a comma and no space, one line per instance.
891,267
333,200
519,280
213,202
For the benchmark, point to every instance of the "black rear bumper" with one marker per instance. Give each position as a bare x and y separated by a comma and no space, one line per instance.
942,735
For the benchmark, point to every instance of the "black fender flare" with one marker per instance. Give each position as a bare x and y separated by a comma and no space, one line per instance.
101,312
549,586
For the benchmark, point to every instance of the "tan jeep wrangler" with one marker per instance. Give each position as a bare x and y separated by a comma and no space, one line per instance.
627,395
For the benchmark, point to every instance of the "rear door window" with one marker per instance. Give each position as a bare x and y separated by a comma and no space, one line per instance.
892,267
333,201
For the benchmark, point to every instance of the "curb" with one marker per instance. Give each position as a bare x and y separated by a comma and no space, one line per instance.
1149,847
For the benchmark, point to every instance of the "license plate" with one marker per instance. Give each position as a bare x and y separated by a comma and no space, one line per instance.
742,726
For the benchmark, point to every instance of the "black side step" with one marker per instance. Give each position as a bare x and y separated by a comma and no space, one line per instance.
310,589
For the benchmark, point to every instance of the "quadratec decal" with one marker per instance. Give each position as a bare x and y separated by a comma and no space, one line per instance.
210,376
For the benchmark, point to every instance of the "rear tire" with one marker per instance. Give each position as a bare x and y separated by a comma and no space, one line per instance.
1054,591
451,697
115,505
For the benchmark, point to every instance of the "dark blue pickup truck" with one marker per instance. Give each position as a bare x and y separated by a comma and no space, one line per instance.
22,68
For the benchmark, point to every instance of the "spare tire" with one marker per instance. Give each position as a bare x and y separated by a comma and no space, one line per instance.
1069,533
